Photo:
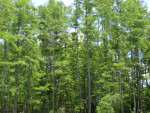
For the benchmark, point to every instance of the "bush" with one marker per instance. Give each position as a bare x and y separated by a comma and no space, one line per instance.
109,104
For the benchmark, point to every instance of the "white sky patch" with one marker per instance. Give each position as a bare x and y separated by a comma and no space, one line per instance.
146,76
69,2
148,4
42,2
39,2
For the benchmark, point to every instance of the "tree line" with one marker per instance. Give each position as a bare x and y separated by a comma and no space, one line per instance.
90,57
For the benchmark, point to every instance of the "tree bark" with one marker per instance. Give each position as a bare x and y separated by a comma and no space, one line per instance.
140,104
133,84
53,73
120,89
88,63
16,77
98,59
85,107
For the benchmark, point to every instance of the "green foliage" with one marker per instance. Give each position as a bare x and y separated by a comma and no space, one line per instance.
109,104
43,56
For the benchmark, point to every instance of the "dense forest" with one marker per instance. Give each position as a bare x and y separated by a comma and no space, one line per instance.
90,57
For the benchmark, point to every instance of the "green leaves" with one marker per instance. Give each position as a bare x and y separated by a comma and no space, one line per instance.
109,103
43,56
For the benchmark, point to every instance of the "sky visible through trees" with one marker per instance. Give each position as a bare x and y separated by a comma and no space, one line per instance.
92,56
69,2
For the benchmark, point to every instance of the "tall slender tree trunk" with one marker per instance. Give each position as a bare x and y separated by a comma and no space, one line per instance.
120,88
133,85
85,107
29,89
145,75
119,70
77,65
53,72
80,89
138,74
98,57
88,63
5,78
75,75
140,98
16,95
58,98
112,75
17,67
